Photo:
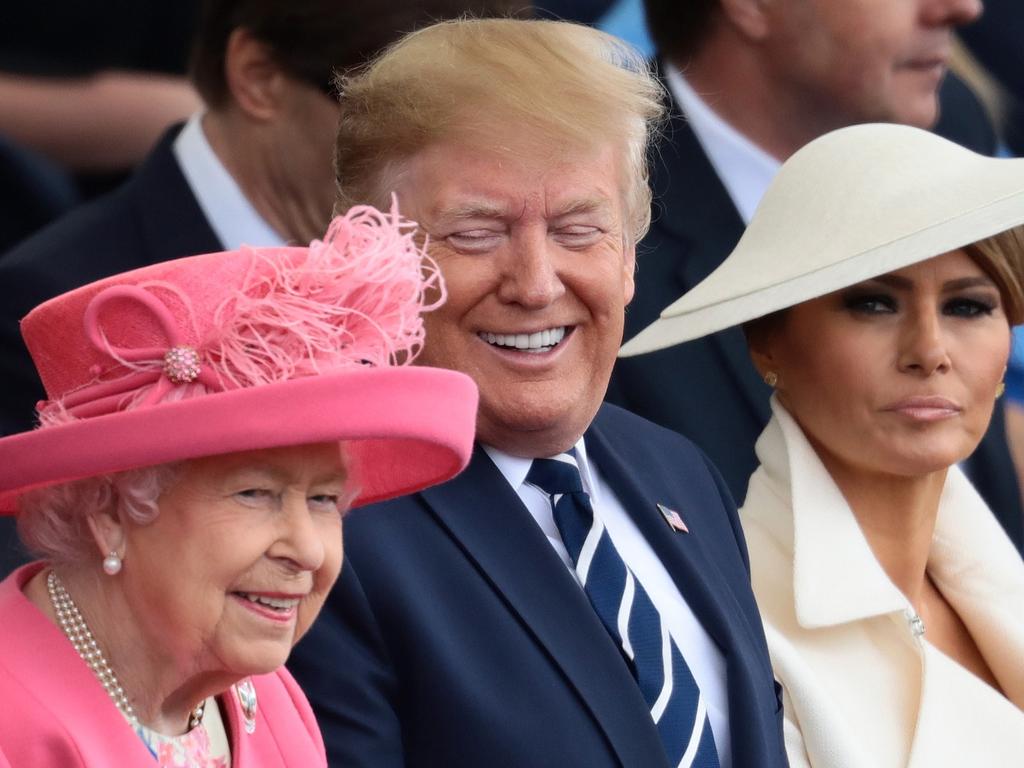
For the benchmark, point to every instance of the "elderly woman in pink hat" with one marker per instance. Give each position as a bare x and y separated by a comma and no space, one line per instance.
876,285
209,422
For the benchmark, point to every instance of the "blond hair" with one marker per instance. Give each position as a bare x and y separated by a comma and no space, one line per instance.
558,81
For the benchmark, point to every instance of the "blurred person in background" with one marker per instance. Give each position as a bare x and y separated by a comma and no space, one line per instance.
87,90
254,167
93,86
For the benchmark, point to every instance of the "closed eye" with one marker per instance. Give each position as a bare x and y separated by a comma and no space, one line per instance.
255,495
475,240
577,235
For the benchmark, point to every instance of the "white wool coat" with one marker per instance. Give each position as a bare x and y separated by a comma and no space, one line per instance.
862,689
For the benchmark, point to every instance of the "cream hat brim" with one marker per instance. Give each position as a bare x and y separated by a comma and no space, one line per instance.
853,204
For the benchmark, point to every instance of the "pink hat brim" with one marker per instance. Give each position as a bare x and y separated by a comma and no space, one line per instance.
404,428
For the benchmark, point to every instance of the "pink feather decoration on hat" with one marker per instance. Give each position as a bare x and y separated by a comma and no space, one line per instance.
352,299
355,299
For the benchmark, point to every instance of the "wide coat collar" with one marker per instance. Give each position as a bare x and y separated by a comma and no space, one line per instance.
839,587
970,553
553,608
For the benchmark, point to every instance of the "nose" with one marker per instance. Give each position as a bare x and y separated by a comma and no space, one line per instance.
300,543
923,349
951,13
529,276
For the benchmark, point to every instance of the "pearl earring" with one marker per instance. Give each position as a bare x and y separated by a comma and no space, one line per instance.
771,378
112,564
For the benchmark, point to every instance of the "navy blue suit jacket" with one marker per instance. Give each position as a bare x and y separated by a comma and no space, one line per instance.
708,389
457,637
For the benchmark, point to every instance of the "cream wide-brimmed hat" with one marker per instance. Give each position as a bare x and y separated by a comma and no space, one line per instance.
853,204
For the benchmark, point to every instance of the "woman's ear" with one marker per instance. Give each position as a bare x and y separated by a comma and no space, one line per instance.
108,532
760,336
762,362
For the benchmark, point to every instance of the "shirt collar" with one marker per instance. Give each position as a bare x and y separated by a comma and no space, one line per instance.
515,468
744,168
229,212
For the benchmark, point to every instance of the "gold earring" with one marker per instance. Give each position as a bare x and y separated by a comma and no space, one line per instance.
771,378
1000,388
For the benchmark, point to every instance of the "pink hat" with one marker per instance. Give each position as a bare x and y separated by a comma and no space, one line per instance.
249,349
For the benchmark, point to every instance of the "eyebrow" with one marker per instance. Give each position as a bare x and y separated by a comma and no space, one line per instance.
583,205
278,475
472,210
488,210
905,284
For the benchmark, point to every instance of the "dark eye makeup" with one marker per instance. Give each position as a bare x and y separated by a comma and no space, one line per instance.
876,302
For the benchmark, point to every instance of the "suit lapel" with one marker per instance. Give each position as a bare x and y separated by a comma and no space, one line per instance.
693,209
171,222
497,533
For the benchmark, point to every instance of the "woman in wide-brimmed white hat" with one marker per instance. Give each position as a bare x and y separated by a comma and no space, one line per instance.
877,284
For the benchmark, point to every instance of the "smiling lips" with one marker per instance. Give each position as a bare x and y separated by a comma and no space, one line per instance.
928,408
533,343
277,607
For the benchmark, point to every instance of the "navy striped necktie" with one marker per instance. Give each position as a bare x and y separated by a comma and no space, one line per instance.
665,680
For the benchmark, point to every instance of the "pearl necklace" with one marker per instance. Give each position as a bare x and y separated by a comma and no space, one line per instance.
72,623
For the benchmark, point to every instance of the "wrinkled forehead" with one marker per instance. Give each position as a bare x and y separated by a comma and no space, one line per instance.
501,173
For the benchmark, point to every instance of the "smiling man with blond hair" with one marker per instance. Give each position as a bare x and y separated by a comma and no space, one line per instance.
580,595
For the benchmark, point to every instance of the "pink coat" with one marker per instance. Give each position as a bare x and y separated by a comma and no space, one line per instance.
55,714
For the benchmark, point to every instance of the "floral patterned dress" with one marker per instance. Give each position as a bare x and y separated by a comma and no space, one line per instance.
205,746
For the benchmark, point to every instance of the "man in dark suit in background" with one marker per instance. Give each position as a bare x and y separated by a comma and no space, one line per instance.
253,168
580,594
750,83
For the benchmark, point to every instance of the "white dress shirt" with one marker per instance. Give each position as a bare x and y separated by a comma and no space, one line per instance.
745,169
230,214
702,655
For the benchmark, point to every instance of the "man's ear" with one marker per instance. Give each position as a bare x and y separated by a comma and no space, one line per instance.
253,76
750,17
108,532
629,272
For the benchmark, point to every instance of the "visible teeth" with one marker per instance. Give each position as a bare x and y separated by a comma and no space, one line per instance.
278,603
539,341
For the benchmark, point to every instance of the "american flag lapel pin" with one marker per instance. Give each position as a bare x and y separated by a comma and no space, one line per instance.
675,522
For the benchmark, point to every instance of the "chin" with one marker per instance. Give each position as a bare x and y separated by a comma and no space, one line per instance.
539,411
259,659
917,464
920,112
